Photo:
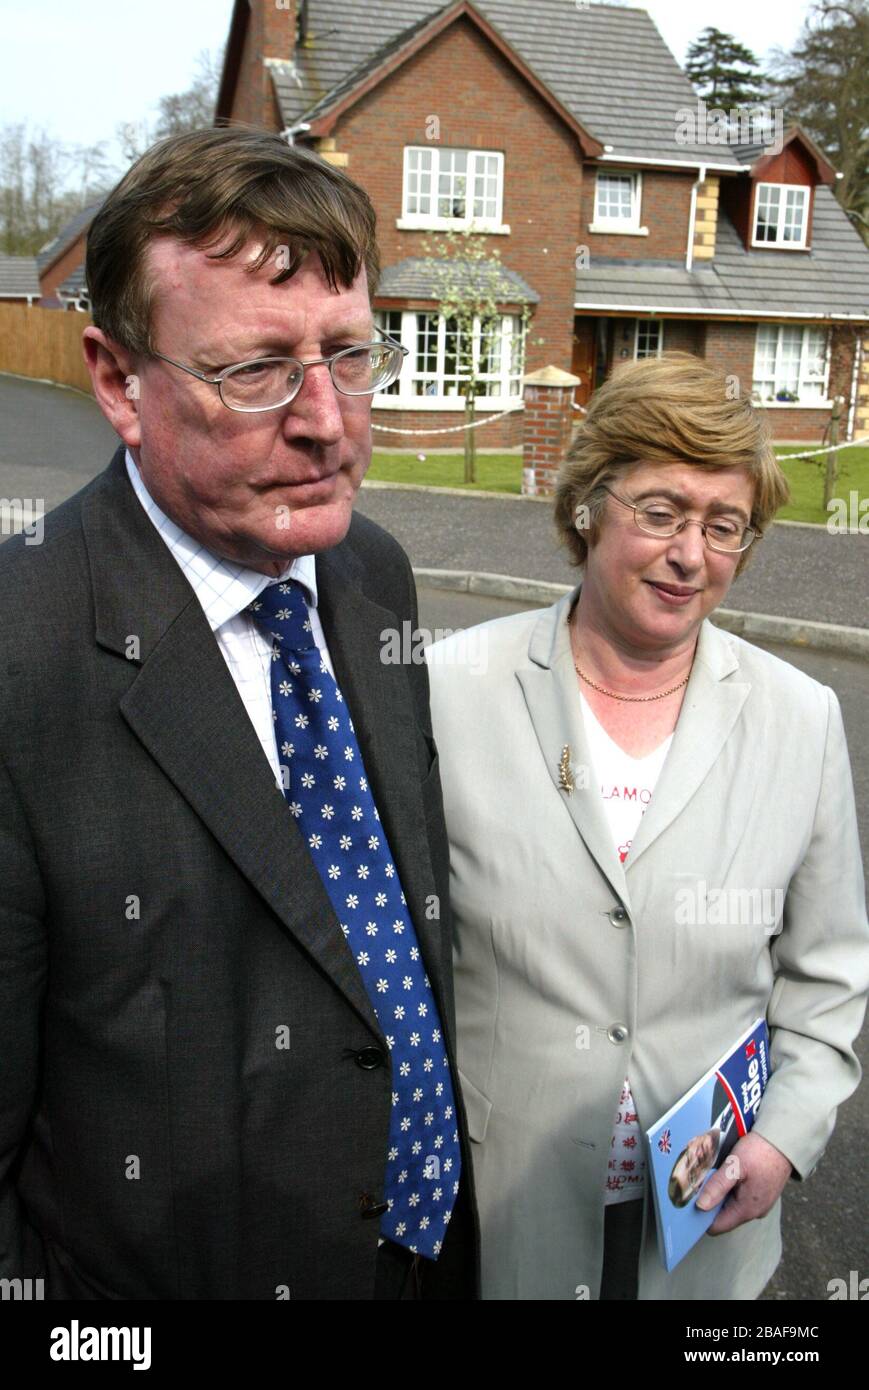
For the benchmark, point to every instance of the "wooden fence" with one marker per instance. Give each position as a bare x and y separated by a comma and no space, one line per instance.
44,344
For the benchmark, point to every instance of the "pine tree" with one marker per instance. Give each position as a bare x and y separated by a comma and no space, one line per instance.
715,65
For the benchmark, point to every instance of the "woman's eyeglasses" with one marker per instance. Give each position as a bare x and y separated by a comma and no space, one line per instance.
662,519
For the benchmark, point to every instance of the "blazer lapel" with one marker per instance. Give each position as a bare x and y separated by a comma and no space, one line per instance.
186,711
709,712
710,709
549,684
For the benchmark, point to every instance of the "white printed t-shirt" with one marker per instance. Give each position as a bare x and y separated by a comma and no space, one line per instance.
626,786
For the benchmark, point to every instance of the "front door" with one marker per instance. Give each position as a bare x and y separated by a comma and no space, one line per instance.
583,359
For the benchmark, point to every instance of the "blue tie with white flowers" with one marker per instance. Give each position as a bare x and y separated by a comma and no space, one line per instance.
328,793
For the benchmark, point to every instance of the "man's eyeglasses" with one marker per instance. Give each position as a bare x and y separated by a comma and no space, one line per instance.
268,382
661,519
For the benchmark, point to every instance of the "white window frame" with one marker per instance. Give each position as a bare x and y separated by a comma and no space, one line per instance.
779,241
807,373
410,221
647,323
447,396
627,226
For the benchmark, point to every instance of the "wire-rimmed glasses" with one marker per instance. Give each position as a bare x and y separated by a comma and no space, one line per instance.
661,518
265,383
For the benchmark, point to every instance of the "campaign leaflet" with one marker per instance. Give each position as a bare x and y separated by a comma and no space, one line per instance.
696,1135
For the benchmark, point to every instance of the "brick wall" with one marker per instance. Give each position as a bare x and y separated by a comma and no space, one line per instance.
541,161
664,208
730,346
683,335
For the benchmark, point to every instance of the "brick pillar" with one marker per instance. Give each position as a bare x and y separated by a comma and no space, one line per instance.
706,220
861,414
548,420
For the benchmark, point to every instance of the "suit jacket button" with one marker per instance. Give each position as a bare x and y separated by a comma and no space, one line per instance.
617,1032
369,1057
369,1206
618,917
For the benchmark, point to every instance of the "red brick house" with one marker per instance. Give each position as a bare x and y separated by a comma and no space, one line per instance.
60,263
559,130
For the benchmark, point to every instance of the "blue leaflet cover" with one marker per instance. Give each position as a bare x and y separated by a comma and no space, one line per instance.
696,1136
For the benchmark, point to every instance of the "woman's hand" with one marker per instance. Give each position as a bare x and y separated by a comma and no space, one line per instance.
754,1174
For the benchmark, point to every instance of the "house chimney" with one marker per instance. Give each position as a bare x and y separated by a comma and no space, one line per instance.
279,20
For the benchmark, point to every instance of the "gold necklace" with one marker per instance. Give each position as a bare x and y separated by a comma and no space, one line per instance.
634,698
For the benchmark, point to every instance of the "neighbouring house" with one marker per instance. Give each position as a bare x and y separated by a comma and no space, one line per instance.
561,132
61,263
19,281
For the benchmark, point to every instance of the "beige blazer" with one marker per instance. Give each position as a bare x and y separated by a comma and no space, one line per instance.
574,971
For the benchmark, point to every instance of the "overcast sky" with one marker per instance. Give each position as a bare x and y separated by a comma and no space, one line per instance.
81,67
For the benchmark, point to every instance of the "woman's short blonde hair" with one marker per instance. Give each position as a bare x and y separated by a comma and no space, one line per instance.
675,408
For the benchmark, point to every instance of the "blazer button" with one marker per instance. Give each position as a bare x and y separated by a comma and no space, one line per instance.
618,917
617,1032
369,1206
369,1058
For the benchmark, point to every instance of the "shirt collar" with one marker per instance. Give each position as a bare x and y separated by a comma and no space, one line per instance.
223,587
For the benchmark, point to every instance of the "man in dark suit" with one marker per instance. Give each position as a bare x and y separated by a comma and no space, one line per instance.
200,1027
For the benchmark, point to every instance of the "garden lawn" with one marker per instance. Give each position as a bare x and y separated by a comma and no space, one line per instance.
503,473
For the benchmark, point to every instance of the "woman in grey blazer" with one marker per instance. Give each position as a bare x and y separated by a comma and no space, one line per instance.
653,841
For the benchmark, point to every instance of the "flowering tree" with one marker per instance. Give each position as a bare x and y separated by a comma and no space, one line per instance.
469,285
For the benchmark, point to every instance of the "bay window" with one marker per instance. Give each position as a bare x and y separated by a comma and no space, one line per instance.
438,368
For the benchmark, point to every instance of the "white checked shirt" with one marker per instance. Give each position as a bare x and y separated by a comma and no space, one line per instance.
224,590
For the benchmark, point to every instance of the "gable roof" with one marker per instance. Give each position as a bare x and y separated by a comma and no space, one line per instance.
606,67
18,277
397,50
68,234
758,158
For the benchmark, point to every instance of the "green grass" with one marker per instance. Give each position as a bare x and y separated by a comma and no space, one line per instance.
806,479
495,472
503,473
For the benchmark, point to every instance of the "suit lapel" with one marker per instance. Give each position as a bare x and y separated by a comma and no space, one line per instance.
184,708
708,714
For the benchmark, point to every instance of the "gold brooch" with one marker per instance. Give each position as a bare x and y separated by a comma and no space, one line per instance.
565,775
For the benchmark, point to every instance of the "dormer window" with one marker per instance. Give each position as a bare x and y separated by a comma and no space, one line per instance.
781,215
617,198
